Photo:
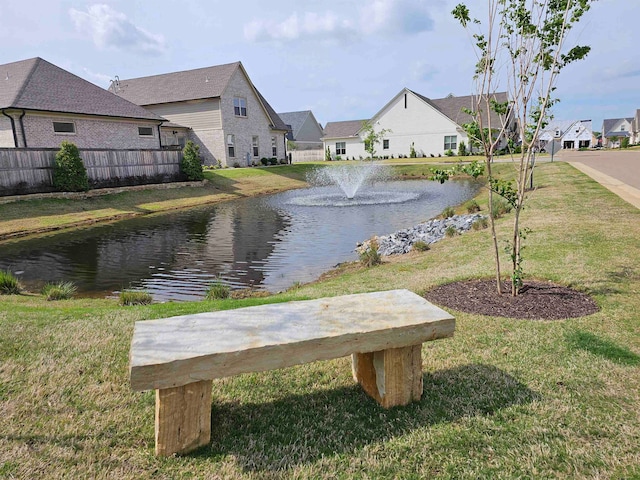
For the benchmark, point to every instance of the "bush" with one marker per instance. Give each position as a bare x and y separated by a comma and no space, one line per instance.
264,161
9,284
371,257
218,290
448,212
273,161
624,143
135,297
500,207
421,246
462,149
236,165
59,290
449,153
412,151
191,164
451,231
480,224
69,173
472,206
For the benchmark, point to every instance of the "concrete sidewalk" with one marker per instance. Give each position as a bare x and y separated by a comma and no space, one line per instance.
618,171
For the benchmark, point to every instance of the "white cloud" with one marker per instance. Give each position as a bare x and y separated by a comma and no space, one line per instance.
387,17
112,29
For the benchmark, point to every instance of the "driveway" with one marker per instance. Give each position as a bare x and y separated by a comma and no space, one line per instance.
617,170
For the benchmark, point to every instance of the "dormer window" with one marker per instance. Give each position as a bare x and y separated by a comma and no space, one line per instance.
622,128
240,106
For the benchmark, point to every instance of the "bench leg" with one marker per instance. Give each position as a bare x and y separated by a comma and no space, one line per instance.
392,377
183,418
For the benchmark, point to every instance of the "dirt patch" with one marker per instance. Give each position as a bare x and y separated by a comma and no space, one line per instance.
537,300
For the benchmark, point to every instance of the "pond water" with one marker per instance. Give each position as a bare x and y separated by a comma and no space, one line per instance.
266,242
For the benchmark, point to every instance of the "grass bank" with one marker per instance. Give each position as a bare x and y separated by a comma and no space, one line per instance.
503,398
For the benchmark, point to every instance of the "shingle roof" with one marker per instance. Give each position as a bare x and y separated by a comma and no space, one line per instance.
278,124
452,108
609,123
349,128
207,82
36,84
294,119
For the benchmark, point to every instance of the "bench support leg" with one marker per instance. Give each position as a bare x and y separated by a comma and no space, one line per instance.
183,418
392,377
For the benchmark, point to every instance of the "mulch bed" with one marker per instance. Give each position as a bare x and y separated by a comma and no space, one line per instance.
536,301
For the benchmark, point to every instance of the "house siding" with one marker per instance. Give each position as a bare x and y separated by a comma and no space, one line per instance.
6,132
256,123
90,132
196,114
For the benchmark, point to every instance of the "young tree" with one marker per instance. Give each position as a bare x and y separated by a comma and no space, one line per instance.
191,164
69,172
372,138
521,47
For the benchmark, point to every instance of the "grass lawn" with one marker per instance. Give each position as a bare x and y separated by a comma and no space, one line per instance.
503,398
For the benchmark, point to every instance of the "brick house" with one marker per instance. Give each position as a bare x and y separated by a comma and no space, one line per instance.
41,105
216,107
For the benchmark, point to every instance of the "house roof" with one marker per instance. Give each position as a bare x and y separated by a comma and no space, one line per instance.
348,128
609,123
207,82
453,107
200,83
36,84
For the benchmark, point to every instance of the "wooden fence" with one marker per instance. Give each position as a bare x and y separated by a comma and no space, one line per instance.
298,156
30,170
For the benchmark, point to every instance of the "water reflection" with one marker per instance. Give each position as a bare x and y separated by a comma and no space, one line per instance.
268,242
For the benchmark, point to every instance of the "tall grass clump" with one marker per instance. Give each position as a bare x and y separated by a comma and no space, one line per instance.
9,284
135,297
500,207
451,231
480,224
472,206
420,246
59,290
218,291
370,257
448,212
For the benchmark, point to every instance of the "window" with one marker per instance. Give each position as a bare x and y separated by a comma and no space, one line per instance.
405,100
341,148
231,145
385,144
622,128
274,147
145,131
450,142
240,106
64,127
254,143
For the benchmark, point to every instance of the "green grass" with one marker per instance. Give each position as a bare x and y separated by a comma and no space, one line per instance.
59,290
503,398
135,297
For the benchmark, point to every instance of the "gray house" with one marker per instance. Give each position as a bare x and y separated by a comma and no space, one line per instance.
304,129
616,128
216,107
41,105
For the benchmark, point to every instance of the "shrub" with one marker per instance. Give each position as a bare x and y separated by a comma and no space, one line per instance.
448,212
236,165
327,155
273,161
624,143
370,257
9,284
448,153
472,206
135,297
264,161
59,290
191,164
462,149
480,224
218,290
412,151
451,231
500,207
69,173
421,246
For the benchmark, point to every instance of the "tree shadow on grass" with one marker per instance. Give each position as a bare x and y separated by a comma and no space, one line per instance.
303,428
603,347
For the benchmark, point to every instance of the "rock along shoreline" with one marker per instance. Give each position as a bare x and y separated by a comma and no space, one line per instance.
428,232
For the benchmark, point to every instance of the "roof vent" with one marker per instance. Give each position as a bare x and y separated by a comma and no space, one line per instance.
7,77
206,80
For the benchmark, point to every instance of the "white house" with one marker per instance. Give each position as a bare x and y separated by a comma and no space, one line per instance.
616,128
567,134
431,126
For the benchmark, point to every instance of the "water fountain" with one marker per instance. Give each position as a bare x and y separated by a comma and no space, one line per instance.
362,183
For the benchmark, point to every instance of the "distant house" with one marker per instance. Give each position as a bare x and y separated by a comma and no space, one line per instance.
568,134
217,107
41,105
614,130
431,127
303,129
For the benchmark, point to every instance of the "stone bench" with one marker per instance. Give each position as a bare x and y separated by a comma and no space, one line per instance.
179,356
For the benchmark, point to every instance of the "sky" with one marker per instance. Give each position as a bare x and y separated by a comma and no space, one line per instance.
342,59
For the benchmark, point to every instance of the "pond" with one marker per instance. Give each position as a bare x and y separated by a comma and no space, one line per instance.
268,242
